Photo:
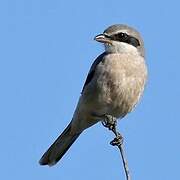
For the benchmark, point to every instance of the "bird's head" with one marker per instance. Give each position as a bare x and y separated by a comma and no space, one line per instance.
121,39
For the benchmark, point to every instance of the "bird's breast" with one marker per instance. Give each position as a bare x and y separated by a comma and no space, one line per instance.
120,82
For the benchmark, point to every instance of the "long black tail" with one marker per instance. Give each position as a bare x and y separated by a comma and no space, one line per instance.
59,147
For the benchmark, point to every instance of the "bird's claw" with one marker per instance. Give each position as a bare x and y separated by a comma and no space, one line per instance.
109,122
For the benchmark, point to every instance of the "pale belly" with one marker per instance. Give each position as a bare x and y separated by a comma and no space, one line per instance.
114,90
117,87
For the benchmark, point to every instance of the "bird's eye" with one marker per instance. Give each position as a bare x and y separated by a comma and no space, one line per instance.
122,35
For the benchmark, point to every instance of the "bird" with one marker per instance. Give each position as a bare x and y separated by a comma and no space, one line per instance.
114,86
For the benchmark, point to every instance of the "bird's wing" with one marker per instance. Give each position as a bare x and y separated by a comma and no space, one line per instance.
92,69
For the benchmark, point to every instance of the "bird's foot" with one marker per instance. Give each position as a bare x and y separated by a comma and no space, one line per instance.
110,122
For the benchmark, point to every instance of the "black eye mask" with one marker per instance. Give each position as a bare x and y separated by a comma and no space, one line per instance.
123,37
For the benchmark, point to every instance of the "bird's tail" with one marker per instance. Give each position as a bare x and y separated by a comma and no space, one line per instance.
59,147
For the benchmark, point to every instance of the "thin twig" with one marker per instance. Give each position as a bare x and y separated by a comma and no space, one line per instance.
111,123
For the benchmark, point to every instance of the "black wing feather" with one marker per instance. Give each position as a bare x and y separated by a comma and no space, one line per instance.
92,70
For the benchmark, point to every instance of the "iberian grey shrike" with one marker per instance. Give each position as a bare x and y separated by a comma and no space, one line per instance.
113,87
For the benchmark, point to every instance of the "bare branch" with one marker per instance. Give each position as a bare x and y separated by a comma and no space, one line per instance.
111,123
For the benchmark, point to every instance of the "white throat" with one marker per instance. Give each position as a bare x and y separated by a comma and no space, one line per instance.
121,47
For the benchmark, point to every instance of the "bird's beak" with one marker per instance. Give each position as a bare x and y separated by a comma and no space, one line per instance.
102,38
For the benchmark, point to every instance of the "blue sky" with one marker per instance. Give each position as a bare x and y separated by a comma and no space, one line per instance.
46,49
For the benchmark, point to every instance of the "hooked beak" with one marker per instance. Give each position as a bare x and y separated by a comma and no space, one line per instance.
102,38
